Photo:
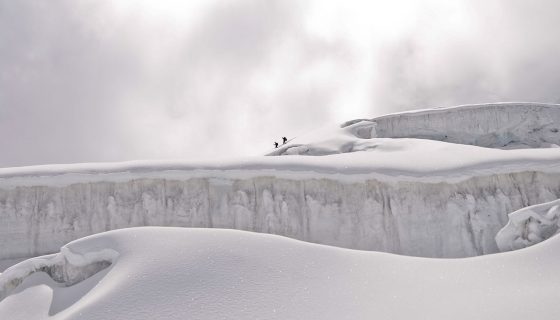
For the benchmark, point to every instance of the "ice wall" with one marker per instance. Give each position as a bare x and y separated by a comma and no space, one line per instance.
505,125
444,219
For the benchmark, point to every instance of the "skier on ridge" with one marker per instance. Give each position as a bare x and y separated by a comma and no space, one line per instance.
284,140
275,144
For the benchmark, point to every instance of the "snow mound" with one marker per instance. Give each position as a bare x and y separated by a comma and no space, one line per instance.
327,141
529,226
175,273
502,126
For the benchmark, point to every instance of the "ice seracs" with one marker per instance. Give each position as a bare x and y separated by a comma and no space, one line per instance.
503,126
398,194
529,226
444,183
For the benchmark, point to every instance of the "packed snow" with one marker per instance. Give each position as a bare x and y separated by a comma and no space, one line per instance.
364,193
177,273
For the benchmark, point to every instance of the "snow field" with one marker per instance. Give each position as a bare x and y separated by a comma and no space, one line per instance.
176,273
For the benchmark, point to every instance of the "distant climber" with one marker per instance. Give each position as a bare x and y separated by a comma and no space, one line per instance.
275,144
284,140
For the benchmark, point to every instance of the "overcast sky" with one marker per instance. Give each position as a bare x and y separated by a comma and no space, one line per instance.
114,80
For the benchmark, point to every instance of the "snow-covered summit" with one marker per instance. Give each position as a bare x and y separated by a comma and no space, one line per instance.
501,125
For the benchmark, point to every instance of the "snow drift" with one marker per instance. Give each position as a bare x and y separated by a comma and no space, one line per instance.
177,273
409,196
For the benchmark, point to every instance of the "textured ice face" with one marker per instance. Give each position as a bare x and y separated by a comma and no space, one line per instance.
443,219
507,125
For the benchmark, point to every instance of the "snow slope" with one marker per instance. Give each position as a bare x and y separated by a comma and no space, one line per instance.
363,193
175,273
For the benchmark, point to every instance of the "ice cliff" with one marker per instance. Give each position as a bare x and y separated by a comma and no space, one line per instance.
421,197
504,126
510,126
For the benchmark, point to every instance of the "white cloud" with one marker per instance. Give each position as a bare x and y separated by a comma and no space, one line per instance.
119,80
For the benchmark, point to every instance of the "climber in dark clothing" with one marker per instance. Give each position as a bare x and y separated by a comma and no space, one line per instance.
275,144
284,140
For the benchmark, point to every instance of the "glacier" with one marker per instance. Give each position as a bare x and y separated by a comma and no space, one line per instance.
392,216
406,192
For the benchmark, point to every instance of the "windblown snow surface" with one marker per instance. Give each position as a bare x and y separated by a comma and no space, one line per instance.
444,183
179,273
